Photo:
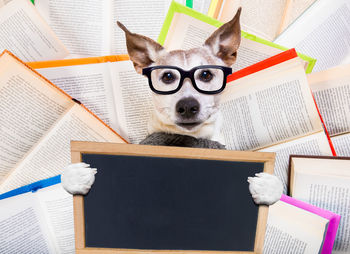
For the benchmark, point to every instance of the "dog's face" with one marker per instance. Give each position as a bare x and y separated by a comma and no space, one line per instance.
187,110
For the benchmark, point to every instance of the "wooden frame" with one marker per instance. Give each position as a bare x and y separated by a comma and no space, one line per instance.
78,148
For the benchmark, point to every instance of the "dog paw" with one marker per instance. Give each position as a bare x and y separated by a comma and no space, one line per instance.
77,178
266,189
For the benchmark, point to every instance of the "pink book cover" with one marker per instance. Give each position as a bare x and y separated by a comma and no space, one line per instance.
332,217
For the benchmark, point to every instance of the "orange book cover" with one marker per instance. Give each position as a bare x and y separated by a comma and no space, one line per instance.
77,61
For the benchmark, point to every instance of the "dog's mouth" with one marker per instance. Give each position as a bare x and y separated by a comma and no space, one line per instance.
188,125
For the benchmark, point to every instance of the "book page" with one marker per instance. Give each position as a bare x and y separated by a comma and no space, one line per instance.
199,5
90,84
292,228
331,90
26,34
3,2
331,193
23,227
322,166
341,144
52,154
82,25
261,18
133,100
322,32
294,9
138,16
316,144
269,107
57,207
187,32
29,107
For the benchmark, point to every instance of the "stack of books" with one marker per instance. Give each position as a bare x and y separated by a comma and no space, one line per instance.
65,75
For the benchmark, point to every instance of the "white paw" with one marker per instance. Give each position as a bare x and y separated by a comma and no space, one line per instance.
265,188
77,178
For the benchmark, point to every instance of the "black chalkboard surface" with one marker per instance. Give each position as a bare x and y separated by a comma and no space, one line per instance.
170,203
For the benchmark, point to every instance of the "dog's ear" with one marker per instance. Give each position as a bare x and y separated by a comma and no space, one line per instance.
224,42
143,51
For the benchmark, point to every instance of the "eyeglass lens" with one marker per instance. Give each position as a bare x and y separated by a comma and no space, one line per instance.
206,79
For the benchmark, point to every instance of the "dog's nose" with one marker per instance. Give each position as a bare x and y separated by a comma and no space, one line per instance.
188,107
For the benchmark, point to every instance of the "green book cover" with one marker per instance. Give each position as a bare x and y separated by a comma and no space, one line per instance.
179,8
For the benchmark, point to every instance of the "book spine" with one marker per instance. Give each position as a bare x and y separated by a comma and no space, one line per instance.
324,128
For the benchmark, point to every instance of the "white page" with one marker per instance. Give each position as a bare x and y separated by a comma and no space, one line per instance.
26,34
52,154
28,108
187,32
199,5
268,107
82,25
262,18
22,226
330,193
91,84
341,144
3,2
322,166
139,16
316,144
290,228
322,32
57,206
295,9
331,90
133,100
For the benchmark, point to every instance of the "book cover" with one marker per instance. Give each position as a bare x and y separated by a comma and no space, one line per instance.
32,187
333,218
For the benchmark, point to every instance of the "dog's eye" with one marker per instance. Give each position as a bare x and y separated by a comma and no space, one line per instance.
205,76
168,77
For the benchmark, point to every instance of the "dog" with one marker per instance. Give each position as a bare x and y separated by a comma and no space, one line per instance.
184,112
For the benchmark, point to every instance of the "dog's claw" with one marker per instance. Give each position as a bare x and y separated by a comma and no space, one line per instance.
77,178
265,188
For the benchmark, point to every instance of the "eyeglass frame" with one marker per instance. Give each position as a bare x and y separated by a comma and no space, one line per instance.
186,74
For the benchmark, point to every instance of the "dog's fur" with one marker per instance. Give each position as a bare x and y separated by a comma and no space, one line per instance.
219,49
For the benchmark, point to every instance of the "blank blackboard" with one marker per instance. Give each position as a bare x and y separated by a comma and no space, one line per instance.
170,203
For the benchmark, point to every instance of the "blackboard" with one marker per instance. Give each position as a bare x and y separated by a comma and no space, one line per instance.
162,202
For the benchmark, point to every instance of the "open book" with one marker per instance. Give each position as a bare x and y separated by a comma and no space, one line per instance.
109,87
89,28
266,19
269,107
299,226
324,182
38,121
323,32
185,28
25,33
37,218
331,89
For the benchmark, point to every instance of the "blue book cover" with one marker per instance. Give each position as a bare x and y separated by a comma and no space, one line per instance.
32,187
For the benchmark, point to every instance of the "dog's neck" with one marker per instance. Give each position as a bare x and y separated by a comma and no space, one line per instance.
210,130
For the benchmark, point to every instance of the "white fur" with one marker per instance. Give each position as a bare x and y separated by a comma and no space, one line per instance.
164,118
265,188
78,178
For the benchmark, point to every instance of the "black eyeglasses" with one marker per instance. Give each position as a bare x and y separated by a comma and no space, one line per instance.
207,79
